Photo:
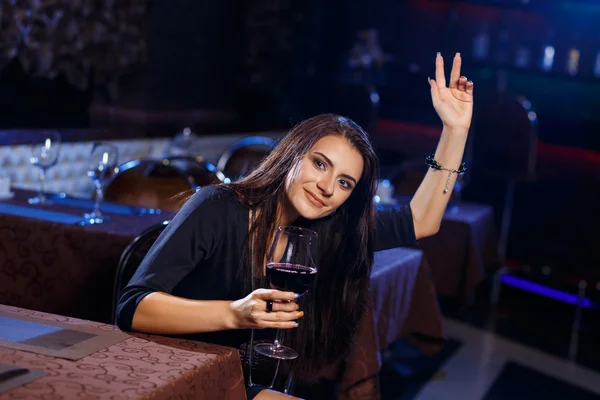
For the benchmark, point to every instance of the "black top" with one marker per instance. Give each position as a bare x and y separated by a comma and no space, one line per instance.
198,256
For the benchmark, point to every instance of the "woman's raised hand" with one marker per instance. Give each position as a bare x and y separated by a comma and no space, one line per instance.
453,103
251,311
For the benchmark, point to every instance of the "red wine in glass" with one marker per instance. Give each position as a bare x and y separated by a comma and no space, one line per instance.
294,271
290,277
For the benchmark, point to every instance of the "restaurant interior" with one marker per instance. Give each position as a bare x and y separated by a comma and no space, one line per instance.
110,110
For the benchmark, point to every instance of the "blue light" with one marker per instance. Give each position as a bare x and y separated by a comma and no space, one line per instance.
542,290
548,58
374,96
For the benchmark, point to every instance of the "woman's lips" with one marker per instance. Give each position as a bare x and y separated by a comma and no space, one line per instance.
314,199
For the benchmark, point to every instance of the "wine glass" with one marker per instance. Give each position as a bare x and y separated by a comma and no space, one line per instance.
44,154
293,271
103,160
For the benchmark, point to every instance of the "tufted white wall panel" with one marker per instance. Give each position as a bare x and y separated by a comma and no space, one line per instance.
69,175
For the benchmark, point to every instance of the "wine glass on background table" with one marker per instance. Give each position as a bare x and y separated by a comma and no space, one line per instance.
45,151
103,161
294,271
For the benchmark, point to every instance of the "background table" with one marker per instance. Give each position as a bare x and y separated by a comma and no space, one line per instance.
63,268
403,306
143,366
404,301
463,250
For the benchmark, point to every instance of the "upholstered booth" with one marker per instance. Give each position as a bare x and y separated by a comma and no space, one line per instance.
69,175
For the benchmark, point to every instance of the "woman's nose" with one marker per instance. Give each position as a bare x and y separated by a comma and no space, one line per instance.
325,185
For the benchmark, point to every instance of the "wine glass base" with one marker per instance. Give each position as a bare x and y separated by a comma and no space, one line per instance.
38,200
280,353
93,219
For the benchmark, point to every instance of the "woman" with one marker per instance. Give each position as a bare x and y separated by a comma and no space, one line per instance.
197,278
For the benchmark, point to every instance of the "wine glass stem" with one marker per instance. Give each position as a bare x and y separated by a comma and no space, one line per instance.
42,189
278,340
99,198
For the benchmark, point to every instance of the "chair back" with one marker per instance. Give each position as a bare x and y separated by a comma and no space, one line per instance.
149,183
131,258
504,139
243,156
203,173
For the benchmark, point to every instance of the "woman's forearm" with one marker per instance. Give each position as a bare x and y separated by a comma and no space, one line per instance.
162,313
429,202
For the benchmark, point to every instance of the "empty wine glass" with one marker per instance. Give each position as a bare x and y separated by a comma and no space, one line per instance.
45,151
292,271
103,161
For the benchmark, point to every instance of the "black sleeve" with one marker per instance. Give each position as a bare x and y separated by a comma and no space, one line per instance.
188,239
395,228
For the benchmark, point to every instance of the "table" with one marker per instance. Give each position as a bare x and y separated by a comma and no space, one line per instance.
61,268
52,266
463,250
404,301
465,247
403,305
141,367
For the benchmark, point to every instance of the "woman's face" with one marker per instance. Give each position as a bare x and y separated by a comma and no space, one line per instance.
326,177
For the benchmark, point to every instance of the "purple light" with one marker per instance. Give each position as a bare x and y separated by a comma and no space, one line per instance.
546,291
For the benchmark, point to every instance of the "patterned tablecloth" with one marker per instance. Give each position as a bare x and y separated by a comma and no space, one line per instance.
141,367
59,267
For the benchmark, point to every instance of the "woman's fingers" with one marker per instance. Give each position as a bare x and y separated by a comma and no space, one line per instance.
272,294
435,94
288,306
462,83
280,319
470,87
281,316
439,71
455,73
276,319
284,313
280,325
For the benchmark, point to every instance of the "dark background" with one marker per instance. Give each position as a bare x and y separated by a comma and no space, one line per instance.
275,62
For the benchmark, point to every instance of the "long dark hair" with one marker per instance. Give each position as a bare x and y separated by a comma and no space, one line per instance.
333,309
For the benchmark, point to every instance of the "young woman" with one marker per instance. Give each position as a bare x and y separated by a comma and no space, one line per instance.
197,278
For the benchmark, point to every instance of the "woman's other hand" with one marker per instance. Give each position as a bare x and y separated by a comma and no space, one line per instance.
251,311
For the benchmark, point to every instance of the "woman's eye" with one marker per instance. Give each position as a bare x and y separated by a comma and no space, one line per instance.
345,183
319,164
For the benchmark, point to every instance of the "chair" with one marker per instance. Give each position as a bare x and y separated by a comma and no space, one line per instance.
505,150
155,183
203,173
243,156
131,258
511,135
